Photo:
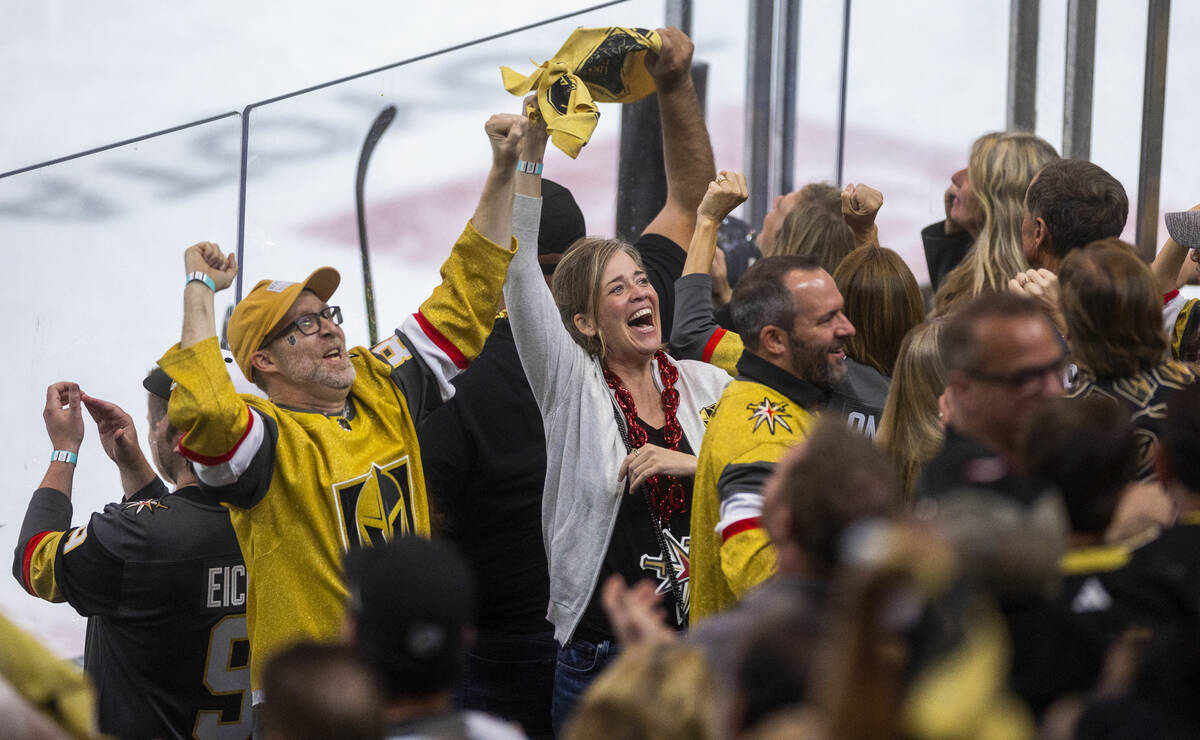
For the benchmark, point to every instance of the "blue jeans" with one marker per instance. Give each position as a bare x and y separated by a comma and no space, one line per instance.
511,676
579,662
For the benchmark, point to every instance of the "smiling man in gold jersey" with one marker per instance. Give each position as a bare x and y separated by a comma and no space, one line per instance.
330,461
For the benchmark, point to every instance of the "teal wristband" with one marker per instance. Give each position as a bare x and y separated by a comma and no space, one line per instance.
529,168
64,456
202,278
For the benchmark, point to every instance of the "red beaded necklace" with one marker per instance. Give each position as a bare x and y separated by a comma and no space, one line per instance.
671,502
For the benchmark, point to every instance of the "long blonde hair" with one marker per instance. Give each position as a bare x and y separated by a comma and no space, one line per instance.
910,432
1001,166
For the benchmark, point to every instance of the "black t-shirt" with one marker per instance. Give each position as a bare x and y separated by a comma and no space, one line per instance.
964,463
663,260
634,552
1061,646
484,455
943,251
1168,570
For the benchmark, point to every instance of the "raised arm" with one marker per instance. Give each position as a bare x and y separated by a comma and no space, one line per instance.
1169,261
204,258
493,215
85,565
687,150
48,515
449,329
694,333
63,416
231,445
722,195
551,359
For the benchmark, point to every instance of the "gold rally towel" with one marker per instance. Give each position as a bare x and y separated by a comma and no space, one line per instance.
605,65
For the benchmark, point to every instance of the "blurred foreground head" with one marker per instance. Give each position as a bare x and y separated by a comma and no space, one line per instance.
833,479
411,604
661,691
913,650
1087,449
321,691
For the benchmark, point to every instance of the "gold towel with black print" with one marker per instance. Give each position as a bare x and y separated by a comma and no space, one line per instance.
605,65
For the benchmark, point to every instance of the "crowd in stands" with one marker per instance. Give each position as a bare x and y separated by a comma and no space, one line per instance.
594,489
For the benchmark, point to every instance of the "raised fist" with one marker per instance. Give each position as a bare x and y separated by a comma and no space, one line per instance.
671,66
860,204
724,194
505,132
206,257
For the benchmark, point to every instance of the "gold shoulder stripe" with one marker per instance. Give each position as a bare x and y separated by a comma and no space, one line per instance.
1093,560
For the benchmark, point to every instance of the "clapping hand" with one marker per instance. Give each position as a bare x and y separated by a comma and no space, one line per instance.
118,436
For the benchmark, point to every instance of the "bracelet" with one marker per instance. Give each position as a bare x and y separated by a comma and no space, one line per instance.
64,456
529,168
201,277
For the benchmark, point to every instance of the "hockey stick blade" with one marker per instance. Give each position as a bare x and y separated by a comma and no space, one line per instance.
382,121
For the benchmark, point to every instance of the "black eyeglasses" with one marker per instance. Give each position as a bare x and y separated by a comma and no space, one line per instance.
1022,380
309,323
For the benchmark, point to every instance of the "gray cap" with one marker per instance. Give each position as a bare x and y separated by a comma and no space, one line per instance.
1184,227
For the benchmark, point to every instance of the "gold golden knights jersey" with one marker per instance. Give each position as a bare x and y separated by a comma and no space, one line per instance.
304,487
761,414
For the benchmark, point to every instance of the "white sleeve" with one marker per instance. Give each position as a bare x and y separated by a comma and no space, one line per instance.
553,362
739,507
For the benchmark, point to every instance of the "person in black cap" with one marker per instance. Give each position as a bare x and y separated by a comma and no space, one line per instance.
484,453
159,576
410,614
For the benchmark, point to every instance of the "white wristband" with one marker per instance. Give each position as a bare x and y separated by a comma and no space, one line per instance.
201,277
64,456
529,168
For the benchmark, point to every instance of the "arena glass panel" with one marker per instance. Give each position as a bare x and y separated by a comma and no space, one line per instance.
88,74
95,252
425,174
924,80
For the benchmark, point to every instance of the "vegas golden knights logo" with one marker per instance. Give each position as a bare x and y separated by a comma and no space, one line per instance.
377,506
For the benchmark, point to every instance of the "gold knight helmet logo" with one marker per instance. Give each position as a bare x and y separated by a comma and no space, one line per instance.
377,506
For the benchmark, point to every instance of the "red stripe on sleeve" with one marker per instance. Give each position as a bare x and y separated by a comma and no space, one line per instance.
206,460
1167,298
711,347
445,345
30,546
743,525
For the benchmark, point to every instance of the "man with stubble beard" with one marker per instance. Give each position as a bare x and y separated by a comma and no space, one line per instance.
330,461
789,314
